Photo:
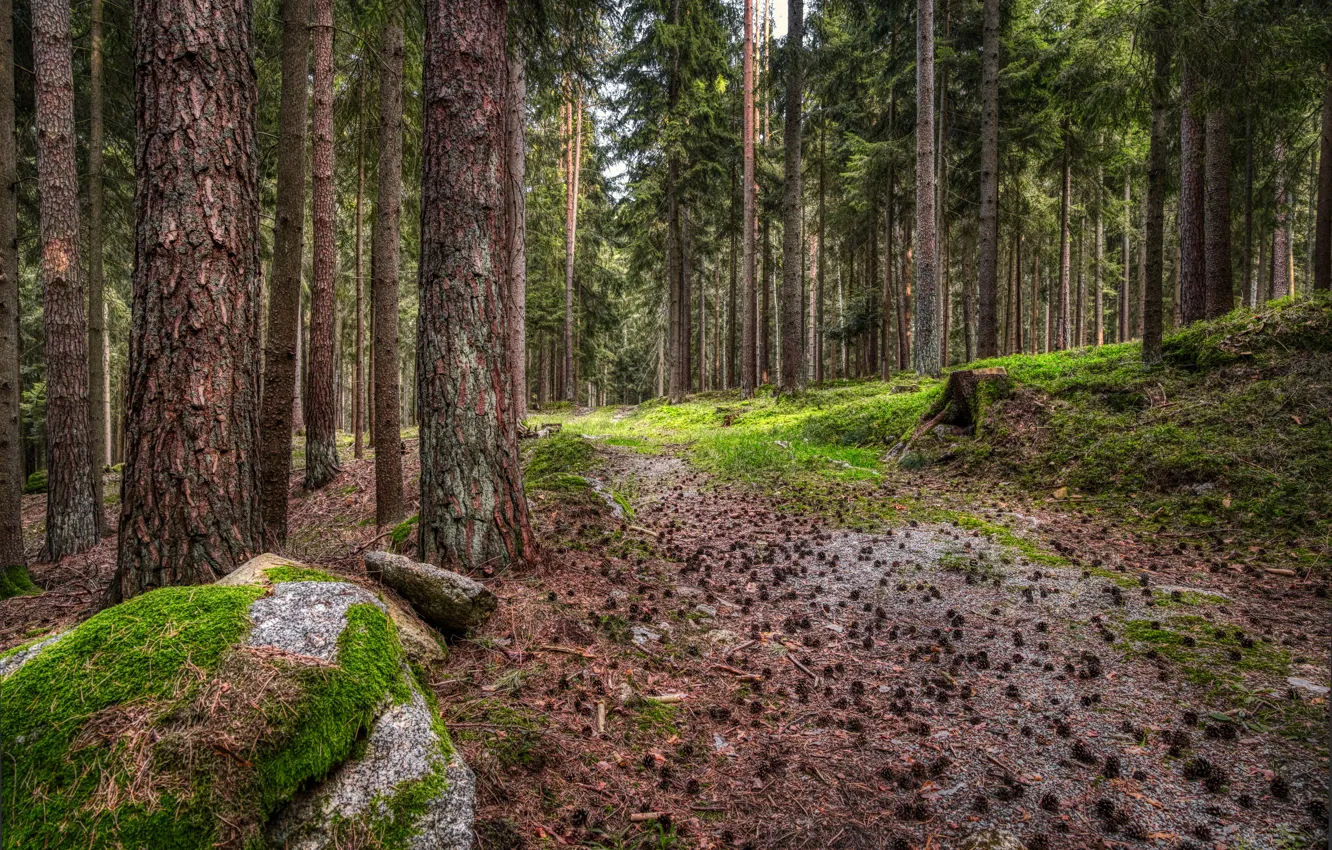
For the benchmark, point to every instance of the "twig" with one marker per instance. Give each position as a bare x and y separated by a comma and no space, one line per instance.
567,650
739,674
802,668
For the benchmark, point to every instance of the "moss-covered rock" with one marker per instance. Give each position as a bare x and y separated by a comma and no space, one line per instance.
201,717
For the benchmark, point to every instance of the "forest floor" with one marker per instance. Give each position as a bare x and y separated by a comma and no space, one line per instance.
771,643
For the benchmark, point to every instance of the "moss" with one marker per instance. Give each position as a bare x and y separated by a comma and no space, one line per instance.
36,483
15,581
291,572
113,741
1289,323
402,532
657,718
1205,653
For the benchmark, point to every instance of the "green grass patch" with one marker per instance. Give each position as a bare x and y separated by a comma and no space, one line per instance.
656,717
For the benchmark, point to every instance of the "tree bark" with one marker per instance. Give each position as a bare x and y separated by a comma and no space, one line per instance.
749,370
765,311
927,354
279,415
817,329
384,279
98,377
1220,280
1249,292
515,211
473,509
1280,234
358,382
732,367
1192,156
571,232
1098,281
1323,226
321,432
71,506
190,491
792,207
1061,322
1123,309
1156,189
1019,341
987,343
13,563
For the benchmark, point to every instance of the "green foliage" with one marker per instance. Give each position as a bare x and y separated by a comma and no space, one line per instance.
109,739
290,572
36,483
1290,324
402,532
557,463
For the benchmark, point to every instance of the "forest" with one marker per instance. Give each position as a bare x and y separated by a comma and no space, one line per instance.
885,424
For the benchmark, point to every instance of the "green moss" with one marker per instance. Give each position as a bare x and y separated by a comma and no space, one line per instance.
291,572
402,532
1210,656
36,483
112,709
15,581
1290,324
657,718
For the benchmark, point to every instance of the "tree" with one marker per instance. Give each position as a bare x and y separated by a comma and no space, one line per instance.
1220,283
1323,239
792,208
987,339
749,343
516,218
574,153
358,382
71,508
927,354
99,400
1192,272
1281,270
321,436
473,509
13,564
1065,192
1156,185
384,276
191,480
281,372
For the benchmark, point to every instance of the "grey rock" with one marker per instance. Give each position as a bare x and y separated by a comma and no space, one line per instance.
993,839
446,600
306,617
403,748
1305,684
642,634
15,660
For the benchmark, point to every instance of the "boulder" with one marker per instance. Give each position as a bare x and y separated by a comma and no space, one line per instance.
275,709
452,603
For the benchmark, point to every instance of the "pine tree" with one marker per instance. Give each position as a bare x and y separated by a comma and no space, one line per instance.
927,355
13,563
748,345
792,205
987,344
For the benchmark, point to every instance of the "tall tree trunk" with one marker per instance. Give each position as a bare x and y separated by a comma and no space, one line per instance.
886,300
71,506
1249,293
190,509
1192,156
945,258
1123,310
1280,231
321,431
571,232
1035,334
1061,322
515,211
13,564
823,261
1323,227
987,344
927,354
732,366
1098,280
1220,275
98,346
765,313
1079,337
473,510
792,208
358,382
1156,188
686,304
280,404
384,279
749,371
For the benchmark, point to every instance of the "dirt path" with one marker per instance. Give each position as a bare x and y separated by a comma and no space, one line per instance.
771,681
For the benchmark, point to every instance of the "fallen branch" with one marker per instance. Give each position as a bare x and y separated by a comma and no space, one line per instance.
567,650
739,674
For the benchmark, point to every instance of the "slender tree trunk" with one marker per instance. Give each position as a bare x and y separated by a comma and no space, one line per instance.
749,372
1061,322
473,510
98,346
1280,232
887,297
812,317
1036,298
732,366
1098,282
1249,289
13,564
1123,311
1156,188
321,432
686,305
571,234
818,271
765,313
792,207
1323,227
1220,278
515,210
1019,338
71,507
1079,338
190,509
280,404
904,320
1192,155
927,353
384,278
358,381
987,339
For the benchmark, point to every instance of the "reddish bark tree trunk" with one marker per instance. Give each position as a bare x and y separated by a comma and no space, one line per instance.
793,277
12,560
1220,274
1154,240
473,509
98,378
280,404
1323,226
1061,323
321,430
926,359
358,382
516,218
749,370
71,506
1192,272
384,279
191,480
987,339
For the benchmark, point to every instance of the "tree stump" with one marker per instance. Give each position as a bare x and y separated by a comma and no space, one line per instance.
962,404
